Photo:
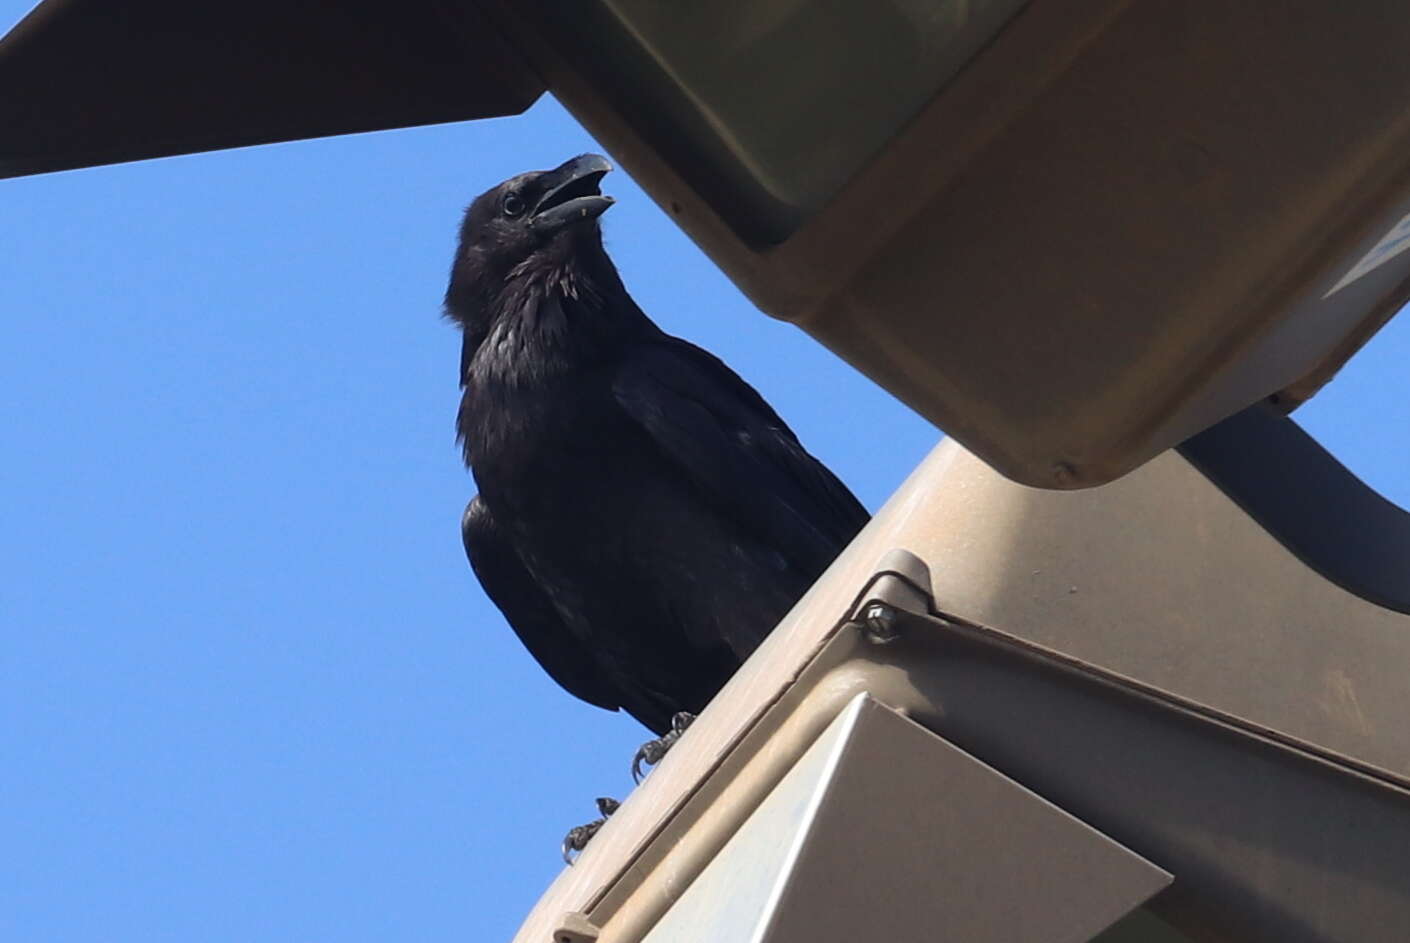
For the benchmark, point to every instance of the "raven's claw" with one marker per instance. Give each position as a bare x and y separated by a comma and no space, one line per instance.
653,751
577,838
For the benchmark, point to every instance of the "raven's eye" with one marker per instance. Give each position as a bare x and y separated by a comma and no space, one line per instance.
513,206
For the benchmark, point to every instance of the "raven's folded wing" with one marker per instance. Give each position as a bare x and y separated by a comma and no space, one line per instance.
737,451
527,608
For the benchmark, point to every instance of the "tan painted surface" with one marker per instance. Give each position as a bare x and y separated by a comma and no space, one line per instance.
1157,576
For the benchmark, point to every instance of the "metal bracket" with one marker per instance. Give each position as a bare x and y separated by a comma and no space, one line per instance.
574,927
900,583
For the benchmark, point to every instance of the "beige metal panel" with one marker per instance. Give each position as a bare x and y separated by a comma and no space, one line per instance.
1268,841
1151,246
1142,927
1118,224
884,831
1157,577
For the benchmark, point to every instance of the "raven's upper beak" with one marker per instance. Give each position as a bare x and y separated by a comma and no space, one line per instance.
570,194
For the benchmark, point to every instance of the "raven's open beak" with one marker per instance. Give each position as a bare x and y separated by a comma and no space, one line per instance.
571,194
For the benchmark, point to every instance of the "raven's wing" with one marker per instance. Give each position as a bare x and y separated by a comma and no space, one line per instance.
741,456
528,610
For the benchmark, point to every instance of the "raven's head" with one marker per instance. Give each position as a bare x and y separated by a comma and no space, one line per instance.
533,221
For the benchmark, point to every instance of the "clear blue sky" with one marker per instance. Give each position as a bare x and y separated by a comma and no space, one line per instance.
249,689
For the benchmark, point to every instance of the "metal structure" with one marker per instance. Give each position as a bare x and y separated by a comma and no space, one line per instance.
865,792
1074,236
1243,734
88,82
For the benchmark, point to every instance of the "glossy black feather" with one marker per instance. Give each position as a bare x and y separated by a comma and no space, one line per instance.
644,517
530,613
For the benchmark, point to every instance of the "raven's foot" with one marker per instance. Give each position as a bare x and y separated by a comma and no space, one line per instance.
653,751
577,838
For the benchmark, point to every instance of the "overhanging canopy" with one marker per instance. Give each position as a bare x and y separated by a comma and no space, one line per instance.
89,82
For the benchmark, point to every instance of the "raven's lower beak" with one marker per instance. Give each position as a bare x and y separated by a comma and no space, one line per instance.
571,194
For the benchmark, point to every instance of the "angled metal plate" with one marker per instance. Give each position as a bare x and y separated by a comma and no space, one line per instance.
884,831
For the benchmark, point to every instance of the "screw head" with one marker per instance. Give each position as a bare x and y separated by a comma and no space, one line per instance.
879,623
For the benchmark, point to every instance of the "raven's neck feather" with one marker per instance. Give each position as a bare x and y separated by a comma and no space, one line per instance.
555,312
547,322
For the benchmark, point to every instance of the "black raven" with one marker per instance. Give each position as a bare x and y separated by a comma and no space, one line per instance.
644,517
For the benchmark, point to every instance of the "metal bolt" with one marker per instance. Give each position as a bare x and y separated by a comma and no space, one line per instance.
879,623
